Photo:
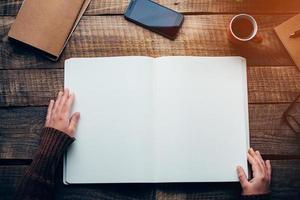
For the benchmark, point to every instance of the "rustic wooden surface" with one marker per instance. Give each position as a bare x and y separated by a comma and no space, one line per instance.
282,187
28,81
201,35
101,7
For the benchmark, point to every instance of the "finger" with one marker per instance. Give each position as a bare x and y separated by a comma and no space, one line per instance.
49,112
269,169
242,176
254,165
57,101
63,99
68,105
261,162
73,122
254,155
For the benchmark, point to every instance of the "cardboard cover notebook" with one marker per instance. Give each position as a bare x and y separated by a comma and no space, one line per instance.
167,119
47,24
292,45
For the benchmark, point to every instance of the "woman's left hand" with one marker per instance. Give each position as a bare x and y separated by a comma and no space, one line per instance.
58,115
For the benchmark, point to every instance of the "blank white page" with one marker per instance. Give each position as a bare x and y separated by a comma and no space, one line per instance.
114,136
201,118
172,119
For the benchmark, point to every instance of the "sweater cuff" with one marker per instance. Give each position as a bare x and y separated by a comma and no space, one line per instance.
54,143
256,197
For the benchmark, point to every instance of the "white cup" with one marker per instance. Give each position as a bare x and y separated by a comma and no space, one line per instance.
235,36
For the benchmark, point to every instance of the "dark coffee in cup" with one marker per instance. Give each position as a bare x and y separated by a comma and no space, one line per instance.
242,27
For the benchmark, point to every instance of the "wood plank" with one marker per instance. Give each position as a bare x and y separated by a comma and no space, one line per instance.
35,87
29,87
100,7
10,7
201,35
273,84
285,179
20,130
197,191
9,178
203,6
11,175
107,191
285,185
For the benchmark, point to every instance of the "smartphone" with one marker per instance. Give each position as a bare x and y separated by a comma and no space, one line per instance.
154,17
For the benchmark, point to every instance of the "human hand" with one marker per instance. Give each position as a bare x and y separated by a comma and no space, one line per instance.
58,115
261,180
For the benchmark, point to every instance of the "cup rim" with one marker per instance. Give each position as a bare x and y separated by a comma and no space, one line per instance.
254,23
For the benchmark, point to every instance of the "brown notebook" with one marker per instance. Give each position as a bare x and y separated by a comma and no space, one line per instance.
47,24
292,45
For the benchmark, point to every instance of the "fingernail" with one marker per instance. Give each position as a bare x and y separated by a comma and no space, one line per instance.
78,115
257,152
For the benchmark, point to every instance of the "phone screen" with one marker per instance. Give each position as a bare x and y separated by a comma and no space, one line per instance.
155,17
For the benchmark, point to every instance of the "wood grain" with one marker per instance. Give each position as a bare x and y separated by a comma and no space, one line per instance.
100,7
285,179
20,130
285,185
201,35
203,6
107,191
35,87
9,177
29,87
273,82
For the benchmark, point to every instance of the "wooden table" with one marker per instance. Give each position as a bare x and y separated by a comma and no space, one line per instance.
28,81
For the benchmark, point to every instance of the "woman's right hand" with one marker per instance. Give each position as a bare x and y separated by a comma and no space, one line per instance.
261,180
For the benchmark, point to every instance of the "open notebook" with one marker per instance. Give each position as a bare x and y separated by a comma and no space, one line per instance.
167,119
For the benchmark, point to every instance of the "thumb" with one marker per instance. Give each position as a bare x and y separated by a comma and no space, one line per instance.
73,122
242,176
